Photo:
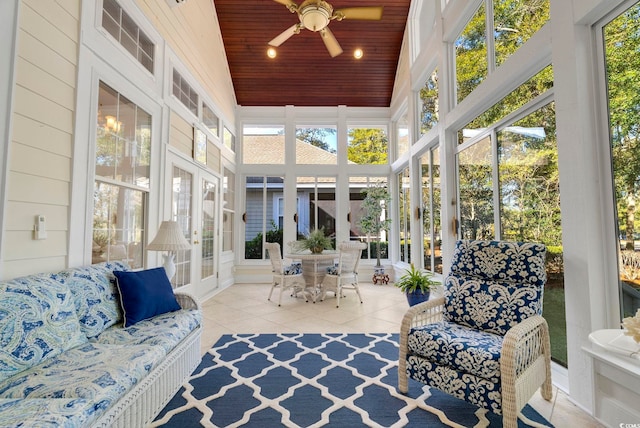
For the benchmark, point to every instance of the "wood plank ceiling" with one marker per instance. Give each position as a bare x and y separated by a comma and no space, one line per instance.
303,73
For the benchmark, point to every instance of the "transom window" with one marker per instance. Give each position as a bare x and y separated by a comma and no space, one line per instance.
123,28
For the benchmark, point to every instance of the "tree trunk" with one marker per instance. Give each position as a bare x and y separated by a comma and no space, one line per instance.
378,252
631,216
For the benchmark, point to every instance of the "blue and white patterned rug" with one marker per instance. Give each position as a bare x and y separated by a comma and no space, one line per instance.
304,380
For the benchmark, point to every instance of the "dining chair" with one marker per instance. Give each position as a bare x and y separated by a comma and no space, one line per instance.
344,275
284,276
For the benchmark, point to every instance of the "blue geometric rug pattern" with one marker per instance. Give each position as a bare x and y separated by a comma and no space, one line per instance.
313,380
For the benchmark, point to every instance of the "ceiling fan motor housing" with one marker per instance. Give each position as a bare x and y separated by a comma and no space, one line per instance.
315,15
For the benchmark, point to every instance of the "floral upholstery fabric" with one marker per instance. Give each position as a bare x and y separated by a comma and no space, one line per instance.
493,285
96,295
100,373
37,322
476,390
166,330
292,269
462,348
46,413
333,270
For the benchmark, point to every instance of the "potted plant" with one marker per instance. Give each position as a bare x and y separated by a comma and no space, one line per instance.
416,284
315,241
375,203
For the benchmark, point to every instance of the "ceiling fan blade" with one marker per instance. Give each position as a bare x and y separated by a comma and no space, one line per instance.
330,42
284,36
369,13
290,4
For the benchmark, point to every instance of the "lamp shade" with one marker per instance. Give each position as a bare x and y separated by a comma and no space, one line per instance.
169,238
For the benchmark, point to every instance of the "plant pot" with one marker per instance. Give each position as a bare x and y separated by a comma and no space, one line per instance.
317,250
417,296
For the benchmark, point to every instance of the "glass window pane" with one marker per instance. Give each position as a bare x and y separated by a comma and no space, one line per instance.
208,229
316,145
263,144
404,217
538,84
402,135
367,146
471,55
514,22
530,206
431,208
125,30
374,230
182,211
228,208
229,139
317,205
210,120
621,56
429,103
261,215
475,184
118,224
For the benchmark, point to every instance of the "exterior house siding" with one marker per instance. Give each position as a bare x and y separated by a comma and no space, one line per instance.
39,160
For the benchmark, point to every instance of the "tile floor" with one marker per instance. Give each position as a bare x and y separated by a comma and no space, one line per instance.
244,308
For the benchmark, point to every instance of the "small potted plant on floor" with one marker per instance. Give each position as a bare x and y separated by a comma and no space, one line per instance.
416,284
315,241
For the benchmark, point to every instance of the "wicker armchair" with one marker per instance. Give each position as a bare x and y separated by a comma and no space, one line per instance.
284,276
344,275
485,340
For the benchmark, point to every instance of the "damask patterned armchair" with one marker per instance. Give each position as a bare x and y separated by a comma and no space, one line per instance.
485,340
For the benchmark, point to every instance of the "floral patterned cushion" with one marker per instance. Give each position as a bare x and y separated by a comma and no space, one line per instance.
37,322
46,413
96,372
481,392
96,295
293,269
493,285
166,330
333,270
463,349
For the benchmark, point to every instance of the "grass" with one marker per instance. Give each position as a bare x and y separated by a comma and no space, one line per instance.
554,313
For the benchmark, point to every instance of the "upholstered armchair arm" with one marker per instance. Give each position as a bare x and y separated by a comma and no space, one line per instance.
525,363
420,314
187,301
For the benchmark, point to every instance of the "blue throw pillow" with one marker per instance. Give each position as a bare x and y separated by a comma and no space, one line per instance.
145,294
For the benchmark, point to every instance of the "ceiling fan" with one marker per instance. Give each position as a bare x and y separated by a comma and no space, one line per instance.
315,15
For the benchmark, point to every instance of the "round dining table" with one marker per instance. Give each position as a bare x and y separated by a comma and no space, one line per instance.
314,268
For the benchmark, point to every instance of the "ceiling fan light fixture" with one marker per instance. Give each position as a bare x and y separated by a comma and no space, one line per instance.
271,52
315,15
357,54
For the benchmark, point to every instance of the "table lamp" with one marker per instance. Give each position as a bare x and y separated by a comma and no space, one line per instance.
169,238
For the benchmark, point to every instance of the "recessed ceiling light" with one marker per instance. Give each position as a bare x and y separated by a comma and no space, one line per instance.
357,54
271,53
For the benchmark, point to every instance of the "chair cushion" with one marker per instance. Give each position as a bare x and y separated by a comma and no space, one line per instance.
96,372
38,321
145,294
491,306
293,269
333,270
459,347
500,260
95,294
474,389
166,330
494,285
46,412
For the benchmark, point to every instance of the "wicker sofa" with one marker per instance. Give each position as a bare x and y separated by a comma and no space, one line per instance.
66,360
